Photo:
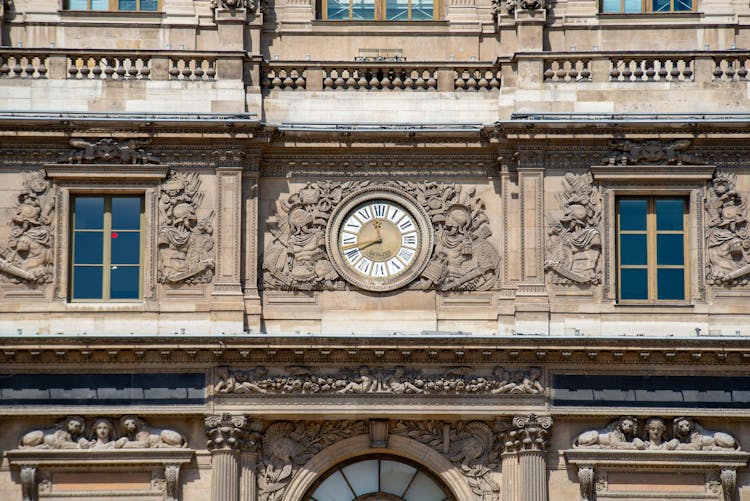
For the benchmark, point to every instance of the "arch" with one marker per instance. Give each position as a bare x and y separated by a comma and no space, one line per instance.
404,447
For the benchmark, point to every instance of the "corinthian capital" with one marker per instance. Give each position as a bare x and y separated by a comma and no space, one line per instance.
234,432
529,432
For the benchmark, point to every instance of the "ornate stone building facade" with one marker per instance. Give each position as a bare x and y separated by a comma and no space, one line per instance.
289,250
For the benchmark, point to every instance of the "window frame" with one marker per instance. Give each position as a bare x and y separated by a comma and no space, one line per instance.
652,233
380,12
112,6
107,247
647,7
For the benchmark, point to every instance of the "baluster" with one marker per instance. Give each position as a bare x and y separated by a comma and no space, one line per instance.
120,69
471,83
211,70
495,82
4,68
560,73
573,73
614,73
662,69
398,82
687,71
639,72
419,83
431,80
199,72
42,68
460,83
387,80
675,70
288,81
408,81
742,70
300,82
627,71
327,80
549,73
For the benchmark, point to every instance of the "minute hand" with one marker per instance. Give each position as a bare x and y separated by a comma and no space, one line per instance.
362,245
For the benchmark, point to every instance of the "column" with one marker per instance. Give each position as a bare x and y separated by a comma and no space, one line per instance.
250,196
509,467
532,437
226,438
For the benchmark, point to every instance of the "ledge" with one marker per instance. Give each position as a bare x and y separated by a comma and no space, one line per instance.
105,457
629,460
635,173
107,172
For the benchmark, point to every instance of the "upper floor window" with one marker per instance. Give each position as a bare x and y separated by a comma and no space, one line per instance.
113,5
106,248
378,10
639,6
651,248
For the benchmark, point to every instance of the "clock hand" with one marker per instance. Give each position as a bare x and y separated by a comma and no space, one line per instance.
362,245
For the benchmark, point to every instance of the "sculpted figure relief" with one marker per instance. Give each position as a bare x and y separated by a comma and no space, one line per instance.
186,244
288,445
67,434
109,151
367,380
462,259
653,152
139,435
574,243
28,256
687,434
727,233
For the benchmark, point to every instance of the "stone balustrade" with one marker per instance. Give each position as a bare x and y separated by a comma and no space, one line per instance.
192,68
109,67
731,67
660,68
567,69
27,64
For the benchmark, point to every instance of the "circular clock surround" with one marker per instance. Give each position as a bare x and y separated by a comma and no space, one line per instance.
379,239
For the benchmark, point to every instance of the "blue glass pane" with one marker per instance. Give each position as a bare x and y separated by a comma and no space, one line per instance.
126,4
338,9
683,5
99,4
633,214
149,5
124,282
611,6
634,284
670,283
87,282
126,247
88,247
632,6
669,212
670,249
397,10
363,9
126,213
660,5
633,249
422,10
76,4
89,213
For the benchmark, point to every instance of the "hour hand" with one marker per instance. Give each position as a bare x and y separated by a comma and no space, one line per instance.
363,244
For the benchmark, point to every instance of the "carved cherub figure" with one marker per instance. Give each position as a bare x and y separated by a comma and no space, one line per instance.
139,435
692,436
619,434
67,434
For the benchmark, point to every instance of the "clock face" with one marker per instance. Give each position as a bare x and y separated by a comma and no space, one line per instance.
379,240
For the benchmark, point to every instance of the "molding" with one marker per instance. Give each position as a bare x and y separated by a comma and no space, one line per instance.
107,172
650,173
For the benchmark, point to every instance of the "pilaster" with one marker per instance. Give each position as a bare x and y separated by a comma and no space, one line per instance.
250,195
227,439
228,203
524,466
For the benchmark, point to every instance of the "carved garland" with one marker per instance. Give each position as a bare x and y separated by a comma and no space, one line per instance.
462,258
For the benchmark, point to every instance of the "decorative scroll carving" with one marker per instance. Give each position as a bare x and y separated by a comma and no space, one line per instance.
140,435
227,431
186,245
69,433
653,152
690,435
396,381
468,445
29,486
527,433
462,259
109,151
172,481
586,482
252,6
728,478
66,434
687,434
289,445
727,234
28,256
574,244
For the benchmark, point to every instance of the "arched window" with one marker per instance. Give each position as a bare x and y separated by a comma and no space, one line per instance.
378,479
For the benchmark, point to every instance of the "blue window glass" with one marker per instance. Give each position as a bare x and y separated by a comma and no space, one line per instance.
609,6
88,247
87,282
149,5
670,249
634,283
99,4
338,10
126,4
633,249
683,5
660,5
397,10
126,213
76,5
422,10
89,213
633,214
671,283
669,214
124,280
126,247
632,6
363,10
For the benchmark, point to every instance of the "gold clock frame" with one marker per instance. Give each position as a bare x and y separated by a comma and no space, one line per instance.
406,202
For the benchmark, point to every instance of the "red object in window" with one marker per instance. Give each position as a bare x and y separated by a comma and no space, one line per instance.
114,234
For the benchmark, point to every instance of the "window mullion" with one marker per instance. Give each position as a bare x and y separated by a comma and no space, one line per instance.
651,249
107,254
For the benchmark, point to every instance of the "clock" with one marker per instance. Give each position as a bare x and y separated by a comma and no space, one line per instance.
379,239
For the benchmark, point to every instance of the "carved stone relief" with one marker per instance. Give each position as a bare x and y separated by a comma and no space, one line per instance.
186,244
574,243
70,433
513,5
653,152
468,445
525,433
686,434
109,151
727,233
289,445
227,431
462,258
367,380
252,6
29,255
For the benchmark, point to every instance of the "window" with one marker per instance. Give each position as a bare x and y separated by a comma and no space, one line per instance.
639,6
113,5
651,248
378,10
106,248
